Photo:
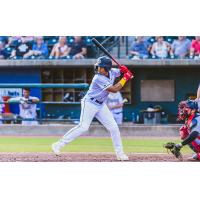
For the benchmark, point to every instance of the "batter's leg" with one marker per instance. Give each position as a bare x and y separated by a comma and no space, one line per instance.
88,111
106,118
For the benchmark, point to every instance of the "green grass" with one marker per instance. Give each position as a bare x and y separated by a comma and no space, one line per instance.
43,144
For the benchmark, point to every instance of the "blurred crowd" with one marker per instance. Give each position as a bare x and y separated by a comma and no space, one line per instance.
47,47
160,47
78,47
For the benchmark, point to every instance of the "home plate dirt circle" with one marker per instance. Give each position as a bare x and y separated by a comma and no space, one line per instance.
86,157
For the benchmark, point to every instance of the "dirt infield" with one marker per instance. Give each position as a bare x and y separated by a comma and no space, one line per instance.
85,157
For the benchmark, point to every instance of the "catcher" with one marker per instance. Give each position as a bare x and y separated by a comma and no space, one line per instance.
190,131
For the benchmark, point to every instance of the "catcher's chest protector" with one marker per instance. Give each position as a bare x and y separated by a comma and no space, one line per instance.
192,122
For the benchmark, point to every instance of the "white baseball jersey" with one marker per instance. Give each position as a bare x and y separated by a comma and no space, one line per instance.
27,110
100,83
115,99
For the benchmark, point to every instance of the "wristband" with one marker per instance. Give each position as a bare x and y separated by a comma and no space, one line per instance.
122,82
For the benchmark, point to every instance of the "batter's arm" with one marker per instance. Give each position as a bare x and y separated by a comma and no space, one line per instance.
115,88
35,100
118,86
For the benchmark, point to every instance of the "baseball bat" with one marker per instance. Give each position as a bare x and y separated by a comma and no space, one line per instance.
104,50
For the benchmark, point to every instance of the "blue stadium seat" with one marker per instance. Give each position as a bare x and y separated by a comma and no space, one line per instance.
70,39
151,40
52,41
170,39
8,51
191,37
88,40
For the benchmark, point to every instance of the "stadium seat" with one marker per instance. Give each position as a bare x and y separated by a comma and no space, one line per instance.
170,39
52,41
70,39
191,37
8,51
151,40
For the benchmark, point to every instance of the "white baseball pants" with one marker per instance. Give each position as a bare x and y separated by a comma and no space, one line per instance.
118,118
89,110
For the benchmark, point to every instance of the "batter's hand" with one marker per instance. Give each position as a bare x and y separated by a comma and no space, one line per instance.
128,75
123,69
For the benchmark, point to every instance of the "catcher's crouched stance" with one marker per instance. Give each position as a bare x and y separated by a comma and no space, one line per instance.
93,105
189,132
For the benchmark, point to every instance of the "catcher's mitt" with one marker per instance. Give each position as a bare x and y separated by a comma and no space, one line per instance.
171,146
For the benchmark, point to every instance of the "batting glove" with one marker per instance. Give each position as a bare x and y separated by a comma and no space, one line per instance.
123,69
128,75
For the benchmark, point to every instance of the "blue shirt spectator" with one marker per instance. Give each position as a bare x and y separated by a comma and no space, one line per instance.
180,48
43,49
2,50
140,48
39,49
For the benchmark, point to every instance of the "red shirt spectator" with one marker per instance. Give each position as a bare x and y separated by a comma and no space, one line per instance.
195,47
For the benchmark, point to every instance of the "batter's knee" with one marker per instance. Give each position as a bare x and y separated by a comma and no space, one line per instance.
84,128
114,128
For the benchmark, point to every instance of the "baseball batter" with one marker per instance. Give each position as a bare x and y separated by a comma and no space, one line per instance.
115,104
27,107
94,105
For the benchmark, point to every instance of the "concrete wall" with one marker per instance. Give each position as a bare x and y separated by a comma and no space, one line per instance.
95,130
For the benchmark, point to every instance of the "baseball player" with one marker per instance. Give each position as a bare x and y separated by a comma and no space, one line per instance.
94,105
1,110
190,132
115,104
27,107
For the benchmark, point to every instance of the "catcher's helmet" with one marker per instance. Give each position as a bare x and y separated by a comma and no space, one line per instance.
192,104
104,62
183,109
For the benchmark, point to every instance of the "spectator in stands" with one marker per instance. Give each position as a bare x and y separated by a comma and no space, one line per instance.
195,48
77,49
160,48
39,50
22,46
60,49
2,50
180,48
4,39
140,48
27,107
14,40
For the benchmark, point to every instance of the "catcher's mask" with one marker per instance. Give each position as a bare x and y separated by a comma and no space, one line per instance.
185,108
103,62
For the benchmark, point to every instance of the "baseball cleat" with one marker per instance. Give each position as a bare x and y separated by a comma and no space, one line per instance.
122,157
194,158
56,148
